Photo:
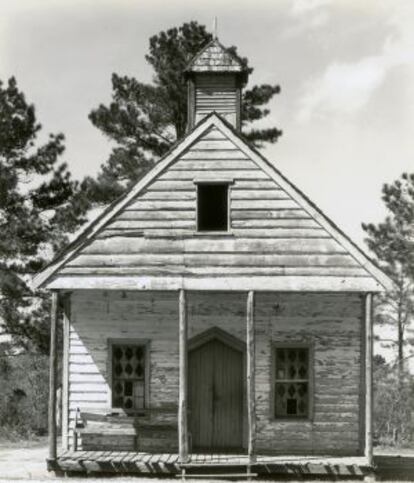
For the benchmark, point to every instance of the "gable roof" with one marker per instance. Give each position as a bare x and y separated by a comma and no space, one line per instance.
379,282
214,57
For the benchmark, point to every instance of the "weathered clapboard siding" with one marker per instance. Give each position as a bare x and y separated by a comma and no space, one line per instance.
190,244
216,93
108,315
331,323
216,262
155,234
254,259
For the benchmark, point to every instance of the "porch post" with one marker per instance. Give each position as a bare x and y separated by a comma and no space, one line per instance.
368,377
251,399
182,402
52,377
65,373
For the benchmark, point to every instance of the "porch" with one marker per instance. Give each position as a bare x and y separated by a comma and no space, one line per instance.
168,464
243,327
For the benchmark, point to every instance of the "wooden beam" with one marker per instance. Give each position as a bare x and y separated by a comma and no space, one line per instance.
52,377
190,104
238,104
65,373
182,401
251,397
368,376
286,283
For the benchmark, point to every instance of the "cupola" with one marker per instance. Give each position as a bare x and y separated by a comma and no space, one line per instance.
215,79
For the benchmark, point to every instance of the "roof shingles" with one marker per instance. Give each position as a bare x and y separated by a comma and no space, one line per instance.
215,58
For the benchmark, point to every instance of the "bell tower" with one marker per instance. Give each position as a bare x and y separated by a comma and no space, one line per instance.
215,80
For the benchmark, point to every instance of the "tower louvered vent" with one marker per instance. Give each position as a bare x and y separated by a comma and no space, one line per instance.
215,80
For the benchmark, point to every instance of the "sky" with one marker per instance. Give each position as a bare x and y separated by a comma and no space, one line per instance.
345,68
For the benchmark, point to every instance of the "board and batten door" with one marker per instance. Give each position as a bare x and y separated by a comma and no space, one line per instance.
215,391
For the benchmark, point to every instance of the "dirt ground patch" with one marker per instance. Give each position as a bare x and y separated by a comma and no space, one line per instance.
23,461
26,461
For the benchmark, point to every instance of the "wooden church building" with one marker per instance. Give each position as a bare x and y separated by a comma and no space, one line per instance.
213,312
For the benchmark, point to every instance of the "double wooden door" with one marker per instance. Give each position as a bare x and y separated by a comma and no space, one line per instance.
215,390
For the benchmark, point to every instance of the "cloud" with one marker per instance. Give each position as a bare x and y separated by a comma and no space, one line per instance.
300,7
346,87
306,15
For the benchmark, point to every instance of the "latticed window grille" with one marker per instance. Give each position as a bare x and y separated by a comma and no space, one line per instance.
291,382
128,376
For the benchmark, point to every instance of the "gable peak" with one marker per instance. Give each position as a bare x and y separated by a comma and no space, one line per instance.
214,57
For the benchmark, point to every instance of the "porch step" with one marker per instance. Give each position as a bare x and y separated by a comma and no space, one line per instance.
217,475
215,464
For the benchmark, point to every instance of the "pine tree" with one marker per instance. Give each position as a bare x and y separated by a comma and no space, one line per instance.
145,120
36,214
392,243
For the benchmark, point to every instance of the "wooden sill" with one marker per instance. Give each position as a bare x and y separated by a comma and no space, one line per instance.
213,233
281,419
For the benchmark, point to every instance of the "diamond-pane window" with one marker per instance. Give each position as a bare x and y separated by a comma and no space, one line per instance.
128,352
128,376
291,383
128,369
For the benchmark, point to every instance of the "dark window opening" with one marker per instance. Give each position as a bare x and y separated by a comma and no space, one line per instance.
291,407
212,207
291,385
128,376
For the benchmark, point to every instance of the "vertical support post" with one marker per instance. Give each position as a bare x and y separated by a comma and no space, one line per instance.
190,104
238,103
65,374
368,377
251,397
52,377
182,402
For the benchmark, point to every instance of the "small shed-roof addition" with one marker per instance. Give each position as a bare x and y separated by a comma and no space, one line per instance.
215,58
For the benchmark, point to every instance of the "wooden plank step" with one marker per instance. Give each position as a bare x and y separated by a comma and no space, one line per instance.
218,475
214,464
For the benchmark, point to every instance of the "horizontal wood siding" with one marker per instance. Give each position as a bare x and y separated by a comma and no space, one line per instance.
330,323
216,93
98,316
270,235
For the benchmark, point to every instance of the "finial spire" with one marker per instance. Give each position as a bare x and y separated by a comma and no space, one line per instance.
215,28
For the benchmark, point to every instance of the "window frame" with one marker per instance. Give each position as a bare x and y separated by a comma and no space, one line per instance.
228,183
311,392
135,342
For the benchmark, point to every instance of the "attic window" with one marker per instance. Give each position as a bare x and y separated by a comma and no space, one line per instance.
212,207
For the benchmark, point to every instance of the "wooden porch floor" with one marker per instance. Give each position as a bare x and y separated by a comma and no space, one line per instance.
168,464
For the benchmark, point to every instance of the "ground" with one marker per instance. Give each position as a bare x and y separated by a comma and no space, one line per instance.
26,461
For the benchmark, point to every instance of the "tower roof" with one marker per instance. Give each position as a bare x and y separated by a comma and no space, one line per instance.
214,57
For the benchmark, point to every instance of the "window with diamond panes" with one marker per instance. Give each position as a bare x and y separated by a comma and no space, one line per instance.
128,376
292,382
